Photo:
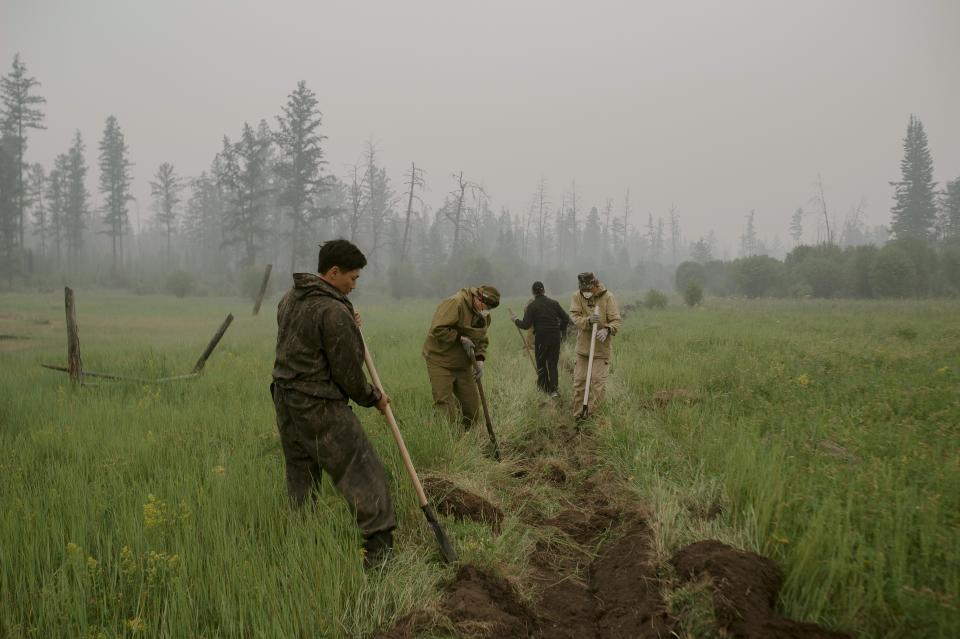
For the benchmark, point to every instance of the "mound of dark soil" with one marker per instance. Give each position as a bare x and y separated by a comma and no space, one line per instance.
745,592
461,504
482,605
624,582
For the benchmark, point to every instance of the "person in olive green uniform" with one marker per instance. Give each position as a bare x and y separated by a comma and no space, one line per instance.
459,324
592,304
318,368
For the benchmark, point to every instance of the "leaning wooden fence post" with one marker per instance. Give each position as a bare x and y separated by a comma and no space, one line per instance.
74,365
213,343
263,289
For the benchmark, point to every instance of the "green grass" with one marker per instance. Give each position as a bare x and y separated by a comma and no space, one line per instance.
826,432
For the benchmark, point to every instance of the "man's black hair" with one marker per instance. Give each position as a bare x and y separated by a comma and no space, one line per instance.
340,253
538,288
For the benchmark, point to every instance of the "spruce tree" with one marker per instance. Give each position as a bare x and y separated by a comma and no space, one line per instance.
244,177
56,196
77,201
950,210
115,182
8,206
36,193
20,112
165,189
301,158
914,212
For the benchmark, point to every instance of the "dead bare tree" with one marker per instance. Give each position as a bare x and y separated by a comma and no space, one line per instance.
457,217
414,180
822,201
540,207
356,203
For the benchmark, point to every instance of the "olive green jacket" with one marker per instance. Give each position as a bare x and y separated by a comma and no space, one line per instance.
453,319
580,311
319,348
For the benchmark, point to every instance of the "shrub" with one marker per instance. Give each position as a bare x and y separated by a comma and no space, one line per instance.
893,273
181,283
654,299
821,274
758,276
693,295
687,273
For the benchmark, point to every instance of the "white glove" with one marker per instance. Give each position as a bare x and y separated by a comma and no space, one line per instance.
513,316
595,315
467,344
602,334
478,370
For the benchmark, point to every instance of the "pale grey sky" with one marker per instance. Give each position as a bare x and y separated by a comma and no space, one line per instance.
718,107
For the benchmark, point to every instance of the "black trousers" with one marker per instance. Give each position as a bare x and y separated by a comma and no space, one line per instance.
547,355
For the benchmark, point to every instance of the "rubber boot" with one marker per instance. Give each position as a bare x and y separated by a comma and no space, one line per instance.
377,548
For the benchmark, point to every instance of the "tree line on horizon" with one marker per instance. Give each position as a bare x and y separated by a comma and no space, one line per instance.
268,197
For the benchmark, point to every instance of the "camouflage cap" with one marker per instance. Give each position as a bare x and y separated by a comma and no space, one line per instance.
586,280
489,296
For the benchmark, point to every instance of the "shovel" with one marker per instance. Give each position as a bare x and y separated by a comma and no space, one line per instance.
526,346
446,549
486,409
586,389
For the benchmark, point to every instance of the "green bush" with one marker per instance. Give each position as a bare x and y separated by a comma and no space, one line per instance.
654,299
822,275
893,273
758,276
181,283
687,273
693,295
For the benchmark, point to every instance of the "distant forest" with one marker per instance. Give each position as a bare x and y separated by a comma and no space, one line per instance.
269,197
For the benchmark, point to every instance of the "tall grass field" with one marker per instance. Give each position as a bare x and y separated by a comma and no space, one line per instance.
823,434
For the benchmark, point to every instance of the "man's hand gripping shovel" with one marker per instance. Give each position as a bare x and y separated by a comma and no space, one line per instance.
446,548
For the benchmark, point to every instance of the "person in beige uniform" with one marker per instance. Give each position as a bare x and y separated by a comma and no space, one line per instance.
459,325
592,304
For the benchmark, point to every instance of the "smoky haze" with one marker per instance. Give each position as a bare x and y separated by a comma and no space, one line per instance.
714,107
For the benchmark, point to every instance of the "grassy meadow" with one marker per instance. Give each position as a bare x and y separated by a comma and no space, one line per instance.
823,434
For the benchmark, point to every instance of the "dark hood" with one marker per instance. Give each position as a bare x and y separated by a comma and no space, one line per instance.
307,284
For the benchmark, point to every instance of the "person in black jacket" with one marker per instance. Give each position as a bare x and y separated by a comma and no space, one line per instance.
549,322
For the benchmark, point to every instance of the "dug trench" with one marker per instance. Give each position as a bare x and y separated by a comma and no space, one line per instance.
594,572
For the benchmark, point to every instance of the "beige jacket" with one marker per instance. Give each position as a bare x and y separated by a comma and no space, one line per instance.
453,319
580,311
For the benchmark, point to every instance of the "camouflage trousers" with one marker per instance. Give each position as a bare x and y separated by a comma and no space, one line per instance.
324,435
455,394
598,383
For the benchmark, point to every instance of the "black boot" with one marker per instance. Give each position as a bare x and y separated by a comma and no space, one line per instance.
378,547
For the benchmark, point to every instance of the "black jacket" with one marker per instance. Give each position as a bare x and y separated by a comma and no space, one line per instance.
547,317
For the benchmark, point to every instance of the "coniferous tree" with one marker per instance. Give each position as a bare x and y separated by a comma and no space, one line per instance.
301,159
20,113
76,206
914,212
246,185
165,190
115,182
950,210
36,186
796,226
57,202
9,201
748,241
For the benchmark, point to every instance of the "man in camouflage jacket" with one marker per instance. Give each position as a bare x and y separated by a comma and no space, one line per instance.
459,325
318,368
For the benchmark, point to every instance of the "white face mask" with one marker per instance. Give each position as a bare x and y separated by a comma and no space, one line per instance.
484,313
586,294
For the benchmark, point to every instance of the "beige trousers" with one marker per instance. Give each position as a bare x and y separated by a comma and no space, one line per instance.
598,383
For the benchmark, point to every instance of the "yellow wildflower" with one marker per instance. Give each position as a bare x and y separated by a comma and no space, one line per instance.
136,624
152,512
92,563
943,370
803,380
72,548
219,470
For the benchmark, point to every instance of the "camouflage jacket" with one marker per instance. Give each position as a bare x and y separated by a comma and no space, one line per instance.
319,348
580,311
453,319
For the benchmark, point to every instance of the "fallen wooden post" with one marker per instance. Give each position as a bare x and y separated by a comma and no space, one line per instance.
213,344
263,289
121,378
74,365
